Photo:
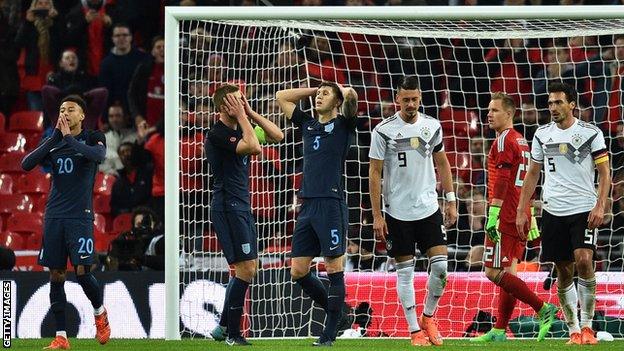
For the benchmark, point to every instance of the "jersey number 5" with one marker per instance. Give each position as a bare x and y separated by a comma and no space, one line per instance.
522,167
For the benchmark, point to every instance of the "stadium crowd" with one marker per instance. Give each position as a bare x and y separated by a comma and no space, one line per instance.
112,53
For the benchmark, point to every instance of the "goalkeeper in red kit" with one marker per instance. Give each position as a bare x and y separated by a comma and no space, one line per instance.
508,162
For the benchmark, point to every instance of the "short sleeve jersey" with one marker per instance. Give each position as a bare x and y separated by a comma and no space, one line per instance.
568,156
409,178
230,171
510,150
325,147
73,176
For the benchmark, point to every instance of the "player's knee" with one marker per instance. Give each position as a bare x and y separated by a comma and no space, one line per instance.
297,272
492,274
57,275
584,266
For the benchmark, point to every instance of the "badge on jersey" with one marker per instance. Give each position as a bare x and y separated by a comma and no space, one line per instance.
563,148
414,142
246,248
426,133
329,127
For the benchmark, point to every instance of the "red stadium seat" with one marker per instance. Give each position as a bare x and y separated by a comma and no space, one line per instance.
102,241
12,142
34,182
30,122
2,122
13,241
99,223
25,222
33,241
6,184
103,183
12,162
15,203
101,203
122,223
39,202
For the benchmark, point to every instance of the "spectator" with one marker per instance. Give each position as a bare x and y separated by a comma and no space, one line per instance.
69,79
39,36
615,85
119,65
86,29
133,186
141,247
146,93
118,134
9,78
155,145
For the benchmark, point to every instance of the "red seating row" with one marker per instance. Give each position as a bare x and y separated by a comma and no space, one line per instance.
36,182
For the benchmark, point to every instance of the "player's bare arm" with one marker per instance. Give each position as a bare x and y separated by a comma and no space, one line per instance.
596,216
444,170
249,145
380,227
272,132
349,106
528,188
288,99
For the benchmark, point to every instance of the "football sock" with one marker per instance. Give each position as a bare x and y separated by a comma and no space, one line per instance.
518,289
237,301
506,305
91,288
436,283
58,301
226,304
587,298
313,287
335,299
569,300
405,290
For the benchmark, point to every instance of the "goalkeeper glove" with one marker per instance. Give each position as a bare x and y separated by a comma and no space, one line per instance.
491,227
534,232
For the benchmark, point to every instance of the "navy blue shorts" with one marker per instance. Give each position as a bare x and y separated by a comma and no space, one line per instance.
236,231
63,237
321,229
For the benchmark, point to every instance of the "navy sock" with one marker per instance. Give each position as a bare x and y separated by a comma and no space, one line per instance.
91,288
58,301
313,287
223,321
237,302
335,299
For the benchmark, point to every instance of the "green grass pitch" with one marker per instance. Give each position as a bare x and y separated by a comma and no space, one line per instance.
305,344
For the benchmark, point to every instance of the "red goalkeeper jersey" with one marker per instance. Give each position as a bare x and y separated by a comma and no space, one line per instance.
509,155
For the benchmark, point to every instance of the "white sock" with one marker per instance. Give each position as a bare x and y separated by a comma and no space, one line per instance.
438,266
405,290
569,301
62,333
99,311
587,298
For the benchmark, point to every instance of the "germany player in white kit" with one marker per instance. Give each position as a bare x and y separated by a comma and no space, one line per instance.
406,146
570,151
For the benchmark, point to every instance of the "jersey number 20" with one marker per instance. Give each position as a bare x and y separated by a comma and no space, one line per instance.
66,165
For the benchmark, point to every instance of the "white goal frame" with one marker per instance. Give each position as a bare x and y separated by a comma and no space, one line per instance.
173,16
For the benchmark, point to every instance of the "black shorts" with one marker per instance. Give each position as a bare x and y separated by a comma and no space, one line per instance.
561,235
321,228
236,231
404,235
67,237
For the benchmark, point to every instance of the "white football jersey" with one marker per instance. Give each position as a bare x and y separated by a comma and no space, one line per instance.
409,179
568,162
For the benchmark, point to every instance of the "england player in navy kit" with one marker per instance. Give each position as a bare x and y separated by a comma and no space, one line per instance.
73,154
228,146
322,223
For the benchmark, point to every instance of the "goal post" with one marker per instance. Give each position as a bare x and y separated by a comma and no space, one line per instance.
241,42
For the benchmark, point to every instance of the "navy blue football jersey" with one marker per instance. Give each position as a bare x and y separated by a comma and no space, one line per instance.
229,170
73,175
325,147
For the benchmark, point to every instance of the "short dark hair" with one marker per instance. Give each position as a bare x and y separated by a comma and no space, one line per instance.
220,92
121,25
78,100
155,40
409,83
561,87
146,212
335,88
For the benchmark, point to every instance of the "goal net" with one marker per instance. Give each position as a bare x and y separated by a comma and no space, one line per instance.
459,64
